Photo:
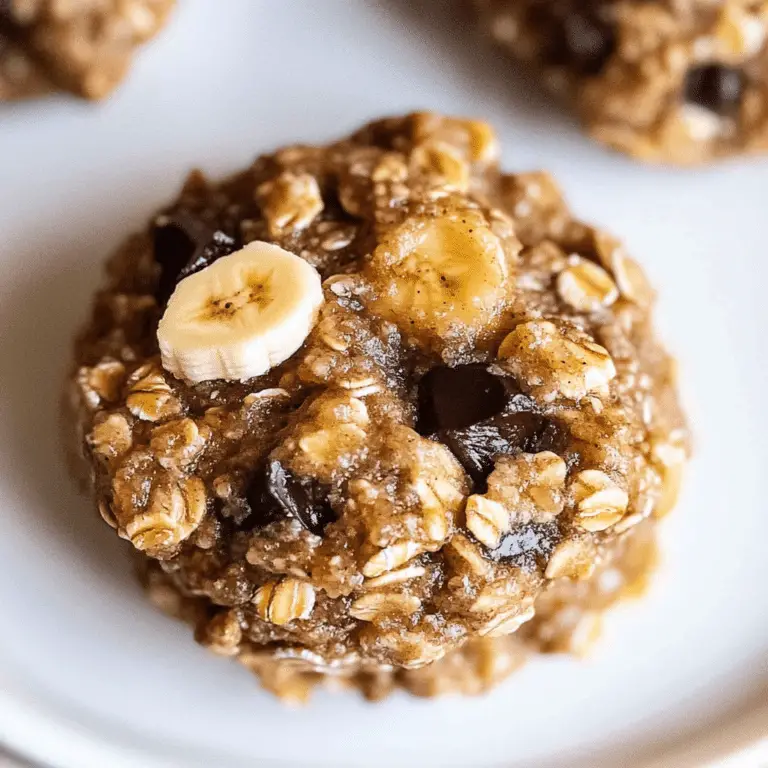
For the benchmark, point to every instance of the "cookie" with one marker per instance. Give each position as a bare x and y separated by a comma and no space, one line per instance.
380,413
676,82
80,46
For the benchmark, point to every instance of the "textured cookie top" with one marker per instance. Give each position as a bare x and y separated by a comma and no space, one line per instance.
480,406
676,80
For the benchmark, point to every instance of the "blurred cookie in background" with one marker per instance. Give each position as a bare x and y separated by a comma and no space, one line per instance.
81,46
680,82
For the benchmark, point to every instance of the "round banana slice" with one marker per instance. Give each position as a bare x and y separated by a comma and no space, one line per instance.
241,316
438,275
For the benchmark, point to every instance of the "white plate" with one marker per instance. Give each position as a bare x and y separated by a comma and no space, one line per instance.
90,675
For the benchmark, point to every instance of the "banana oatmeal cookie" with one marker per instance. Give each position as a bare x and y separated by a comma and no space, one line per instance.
680,81
82,46
378,413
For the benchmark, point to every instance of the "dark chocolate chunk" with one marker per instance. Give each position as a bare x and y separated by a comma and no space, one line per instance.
480,415
577,39
715,87
8,31
183,245
454,398
589,43
276,491
264,507
175,240
219,245
478,446
527,546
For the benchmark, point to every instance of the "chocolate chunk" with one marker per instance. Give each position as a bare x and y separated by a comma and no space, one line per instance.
480,416
219,245
454,398
175,240
478,446
8,31
264,508
183,245
276,491
715,87
527,546
579,40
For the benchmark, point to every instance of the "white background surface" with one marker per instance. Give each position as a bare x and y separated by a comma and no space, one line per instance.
90,675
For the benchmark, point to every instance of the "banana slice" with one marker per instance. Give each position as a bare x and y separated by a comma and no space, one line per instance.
241,316
439,275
